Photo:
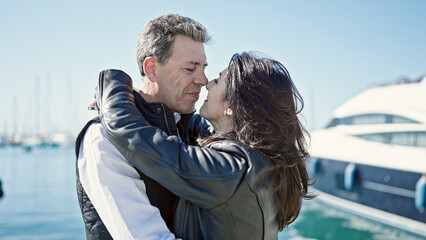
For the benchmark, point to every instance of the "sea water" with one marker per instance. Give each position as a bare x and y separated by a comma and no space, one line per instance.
40,199
40,202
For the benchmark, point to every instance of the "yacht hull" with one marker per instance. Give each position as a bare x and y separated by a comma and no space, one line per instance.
385,195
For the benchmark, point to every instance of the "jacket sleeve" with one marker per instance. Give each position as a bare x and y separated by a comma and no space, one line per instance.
199,128
205,176
103,172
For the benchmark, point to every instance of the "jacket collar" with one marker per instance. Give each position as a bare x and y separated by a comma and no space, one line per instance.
159,115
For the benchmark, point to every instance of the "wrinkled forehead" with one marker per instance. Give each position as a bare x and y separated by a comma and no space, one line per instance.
186,50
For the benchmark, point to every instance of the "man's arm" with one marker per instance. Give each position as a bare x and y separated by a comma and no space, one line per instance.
116,191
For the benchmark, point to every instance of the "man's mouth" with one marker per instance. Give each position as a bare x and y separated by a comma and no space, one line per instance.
194,94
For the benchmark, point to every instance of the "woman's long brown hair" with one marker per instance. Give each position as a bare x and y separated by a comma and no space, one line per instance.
265,104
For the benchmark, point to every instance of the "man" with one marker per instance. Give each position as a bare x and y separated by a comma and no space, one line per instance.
113,199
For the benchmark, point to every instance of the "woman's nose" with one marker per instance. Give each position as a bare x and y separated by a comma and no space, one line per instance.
208,86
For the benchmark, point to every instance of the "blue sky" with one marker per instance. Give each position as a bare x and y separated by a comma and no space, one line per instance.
52,51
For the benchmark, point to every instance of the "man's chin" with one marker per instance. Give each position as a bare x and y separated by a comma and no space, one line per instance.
187,110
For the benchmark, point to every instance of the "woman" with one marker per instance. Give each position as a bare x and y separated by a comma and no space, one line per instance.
246,181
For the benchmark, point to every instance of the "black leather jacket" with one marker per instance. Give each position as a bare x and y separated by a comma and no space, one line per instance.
220,194
190,127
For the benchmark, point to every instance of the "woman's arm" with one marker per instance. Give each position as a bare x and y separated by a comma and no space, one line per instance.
205,176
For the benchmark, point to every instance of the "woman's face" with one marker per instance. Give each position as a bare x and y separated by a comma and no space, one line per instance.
215,104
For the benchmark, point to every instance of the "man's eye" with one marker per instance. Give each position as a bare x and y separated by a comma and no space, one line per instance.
215,81
190,69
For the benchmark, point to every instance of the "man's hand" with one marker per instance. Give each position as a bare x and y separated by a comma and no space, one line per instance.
92,105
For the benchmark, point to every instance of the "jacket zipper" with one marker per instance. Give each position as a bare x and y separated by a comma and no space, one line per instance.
182,135
100,89
165,118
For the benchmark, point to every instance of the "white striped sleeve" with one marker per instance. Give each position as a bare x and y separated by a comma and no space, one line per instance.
116,191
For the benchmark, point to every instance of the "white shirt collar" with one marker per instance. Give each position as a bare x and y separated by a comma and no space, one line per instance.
177,117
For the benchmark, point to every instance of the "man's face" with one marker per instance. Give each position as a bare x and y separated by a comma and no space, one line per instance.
181,77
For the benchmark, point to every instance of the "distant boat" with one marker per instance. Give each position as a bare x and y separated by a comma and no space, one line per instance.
3,141
29,142
371,158
60,140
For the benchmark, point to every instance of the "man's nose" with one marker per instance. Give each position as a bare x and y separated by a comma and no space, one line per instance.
201,79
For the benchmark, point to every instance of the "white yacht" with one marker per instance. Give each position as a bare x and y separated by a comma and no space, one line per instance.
371,158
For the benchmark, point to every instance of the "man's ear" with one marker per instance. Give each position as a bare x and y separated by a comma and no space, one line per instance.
149,67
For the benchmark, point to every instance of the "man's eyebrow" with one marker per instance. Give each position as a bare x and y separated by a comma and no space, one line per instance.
197,63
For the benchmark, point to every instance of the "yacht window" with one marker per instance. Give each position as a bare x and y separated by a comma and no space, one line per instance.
399,119
376,137
414,139
421,139
403,138
333,123
369,119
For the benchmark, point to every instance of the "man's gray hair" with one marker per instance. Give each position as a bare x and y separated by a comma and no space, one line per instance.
158,35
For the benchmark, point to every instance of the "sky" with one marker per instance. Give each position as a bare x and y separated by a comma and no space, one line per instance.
51,52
